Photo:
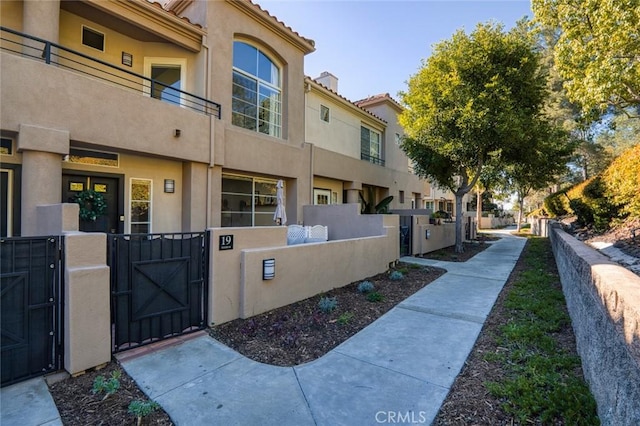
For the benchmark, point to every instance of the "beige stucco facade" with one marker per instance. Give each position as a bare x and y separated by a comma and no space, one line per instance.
75,117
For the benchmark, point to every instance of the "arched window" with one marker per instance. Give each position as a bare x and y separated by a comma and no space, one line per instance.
257,93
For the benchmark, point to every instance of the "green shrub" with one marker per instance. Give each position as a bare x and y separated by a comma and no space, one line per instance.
554,204
396,276
365,287
345,318
108,386
327,304
142,409
622,180
375,297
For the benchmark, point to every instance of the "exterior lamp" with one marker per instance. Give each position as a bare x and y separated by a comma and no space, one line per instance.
169,186
268,269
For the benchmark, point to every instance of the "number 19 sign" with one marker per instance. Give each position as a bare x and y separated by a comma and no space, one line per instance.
226,242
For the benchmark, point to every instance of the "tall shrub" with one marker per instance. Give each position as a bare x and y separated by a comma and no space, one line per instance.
622,182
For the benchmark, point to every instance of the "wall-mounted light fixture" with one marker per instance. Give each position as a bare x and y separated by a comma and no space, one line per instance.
169,186
268,269
427,234
177,133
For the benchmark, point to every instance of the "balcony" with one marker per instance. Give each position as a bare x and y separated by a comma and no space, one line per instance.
59,56
371,159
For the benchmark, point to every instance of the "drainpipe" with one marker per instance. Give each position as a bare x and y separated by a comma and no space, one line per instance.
212,119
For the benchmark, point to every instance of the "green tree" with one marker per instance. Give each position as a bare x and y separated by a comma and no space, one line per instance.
475,98
540,164
597,49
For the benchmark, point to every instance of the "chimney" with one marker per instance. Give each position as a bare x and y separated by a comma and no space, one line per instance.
328,80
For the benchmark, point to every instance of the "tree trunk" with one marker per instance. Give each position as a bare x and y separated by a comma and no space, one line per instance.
479,209
521,204
459,246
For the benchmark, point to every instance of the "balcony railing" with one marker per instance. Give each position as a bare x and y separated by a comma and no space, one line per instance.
54,54
375,160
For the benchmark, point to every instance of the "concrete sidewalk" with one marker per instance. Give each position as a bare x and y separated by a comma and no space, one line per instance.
397,370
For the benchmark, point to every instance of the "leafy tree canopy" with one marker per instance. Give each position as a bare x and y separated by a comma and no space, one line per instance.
474,101
597,49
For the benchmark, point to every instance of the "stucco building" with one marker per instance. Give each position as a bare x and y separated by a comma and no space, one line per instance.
180,116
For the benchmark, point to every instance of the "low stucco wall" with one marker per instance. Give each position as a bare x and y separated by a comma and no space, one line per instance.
603,299
344,220
237,289
440,236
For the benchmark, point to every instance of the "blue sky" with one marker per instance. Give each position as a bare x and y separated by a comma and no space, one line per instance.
374,46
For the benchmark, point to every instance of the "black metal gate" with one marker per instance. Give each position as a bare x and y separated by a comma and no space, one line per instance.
158,286
30,299
405,235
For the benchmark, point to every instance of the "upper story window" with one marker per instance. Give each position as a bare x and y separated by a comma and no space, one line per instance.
257,93
92,38
370,146
6,146
324,113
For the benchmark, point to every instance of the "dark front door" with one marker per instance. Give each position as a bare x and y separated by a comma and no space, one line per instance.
109,188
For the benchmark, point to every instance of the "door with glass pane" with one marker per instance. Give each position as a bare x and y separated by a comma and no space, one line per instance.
109,219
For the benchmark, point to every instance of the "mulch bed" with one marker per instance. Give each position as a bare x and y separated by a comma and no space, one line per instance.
287,336
78,405
469,402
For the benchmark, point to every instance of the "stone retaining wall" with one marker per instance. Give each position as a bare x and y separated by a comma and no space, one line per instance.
603,299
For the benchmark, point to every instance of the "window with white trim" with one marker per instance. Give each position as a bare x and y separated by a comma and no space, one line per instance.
257,93
140,206
324,113
370,146
168,78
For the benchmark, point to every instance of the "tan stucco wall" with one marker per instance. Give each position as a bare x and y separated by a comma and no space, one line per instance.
440,236
33,93
225,267
11,14
303,271
87,315
116,43
342,133
331,164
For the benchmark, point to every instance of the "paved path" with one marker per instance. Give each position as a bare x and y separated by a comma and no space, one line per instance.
397,370
401,367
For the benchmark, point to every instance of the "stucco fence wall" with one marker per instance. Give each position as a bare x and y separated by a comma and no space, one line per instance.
603,299
301,271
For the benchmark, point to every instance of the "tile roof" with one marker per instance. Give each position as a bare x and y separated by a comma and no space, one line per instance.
159,5
378,98
258,7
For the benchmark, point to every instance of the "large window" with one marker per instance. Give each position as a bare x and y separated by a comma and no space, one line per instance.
248,201
140,206
370,146
257,97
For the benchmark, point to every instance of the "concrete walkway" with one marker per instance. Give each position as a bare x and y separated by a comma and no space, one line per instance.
397,370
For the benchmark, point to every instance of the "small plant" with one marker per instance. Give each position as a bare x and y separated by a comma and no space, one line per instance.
365,287
396,276
375,297
327,304
345,318
108,386
141,409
